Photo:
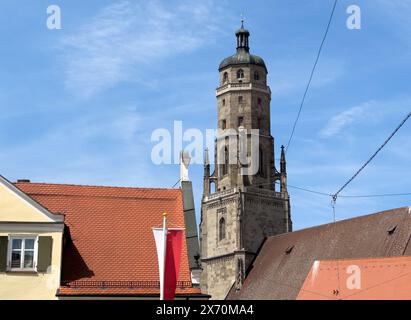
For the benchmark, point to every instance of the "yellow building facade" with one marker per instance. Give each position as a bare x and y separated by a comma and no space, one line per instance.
31,240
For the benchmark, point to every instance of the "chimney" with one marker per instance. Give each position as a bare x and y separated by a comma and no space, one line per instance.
23,181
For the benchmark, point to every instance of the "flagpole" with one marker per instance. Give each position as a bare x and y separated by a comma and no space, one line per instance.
164,255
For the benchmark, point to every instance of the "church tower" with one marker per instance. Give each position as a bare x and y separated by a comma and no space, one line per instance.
239,210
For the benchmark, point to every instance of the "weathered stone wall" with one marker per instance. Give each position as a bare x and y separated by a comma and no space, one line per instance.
250,213
218,268
216,209
219,275
263,216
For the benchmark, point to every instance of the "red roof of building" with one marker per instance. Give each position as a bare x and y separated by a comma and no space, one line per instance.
284,261
359,279
110,248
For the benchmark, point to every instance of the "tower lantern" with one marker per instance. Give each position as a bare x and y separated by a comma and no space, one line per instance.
242,38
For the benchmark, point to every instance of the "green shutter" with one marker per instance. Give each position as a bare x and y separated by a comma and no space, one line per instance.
44,257
3,253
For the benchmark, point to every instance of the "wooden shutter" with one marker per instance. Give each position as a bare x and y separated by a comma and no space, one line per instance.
45,247
3,253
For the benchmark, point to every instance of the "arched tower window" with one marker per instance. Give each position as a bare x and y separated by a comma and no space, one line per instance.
240,74
212,187
223,124
221,229
225,77
256,76
261,170
224,170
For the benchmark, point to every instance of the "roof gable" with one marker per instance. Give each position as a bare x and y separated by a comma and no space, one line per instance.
16,206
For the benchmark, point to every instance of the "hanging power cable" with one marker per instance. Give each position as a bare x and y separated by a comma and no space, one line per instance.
342,195
372,157
311,75
175,184
376,195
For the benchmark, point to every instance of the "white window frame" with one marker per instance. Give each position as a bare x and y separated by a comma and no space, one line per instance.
10,250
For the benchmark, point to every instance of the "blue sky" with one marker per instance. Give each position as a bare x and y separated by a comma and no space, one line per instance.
78,105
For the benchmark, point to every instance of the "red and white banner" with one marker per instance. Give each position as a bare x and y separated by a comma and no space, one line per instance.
168,243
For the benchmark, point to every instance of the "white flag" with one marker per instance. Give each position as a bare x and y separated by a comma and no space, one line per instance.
160,238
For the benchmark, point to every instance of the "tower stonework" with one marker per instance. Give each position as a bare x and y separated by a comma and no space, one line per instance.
241,210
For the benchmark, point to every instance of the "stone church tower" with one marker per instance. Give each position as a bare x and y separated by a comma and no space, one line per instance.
241,210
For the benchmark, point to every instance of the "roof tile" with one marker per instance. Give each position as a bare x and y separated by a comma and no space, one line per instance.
111,231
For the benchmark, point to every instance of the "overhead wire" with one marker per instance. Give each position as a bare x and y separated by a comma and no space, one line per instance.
311,75
340,196
373,156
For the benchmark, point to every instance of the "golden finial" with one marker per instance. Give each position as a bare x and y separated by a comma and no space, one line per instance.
165,214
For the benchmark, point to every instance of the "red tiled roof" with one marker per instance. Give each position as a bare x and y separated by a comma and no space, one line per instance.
111,233
359,279
68,291
282,265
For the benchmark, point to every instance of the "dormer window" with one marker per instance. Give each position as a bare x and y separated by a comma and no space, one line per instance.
240,74
23,254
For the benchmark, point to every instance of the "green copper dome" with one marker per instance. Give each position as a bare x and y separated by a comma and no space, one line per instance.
242,55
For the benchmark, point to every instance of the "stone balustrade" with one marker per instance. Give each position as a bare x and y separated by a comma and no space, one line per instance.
242,86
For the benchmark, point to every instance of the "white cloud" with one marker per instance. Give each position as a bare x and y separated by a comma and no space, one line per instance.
396,12
122,126
370,112
91,149
127,37
337,123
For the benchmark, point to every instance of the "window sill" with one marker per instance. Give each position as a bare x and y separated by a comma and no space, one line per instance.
22,271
